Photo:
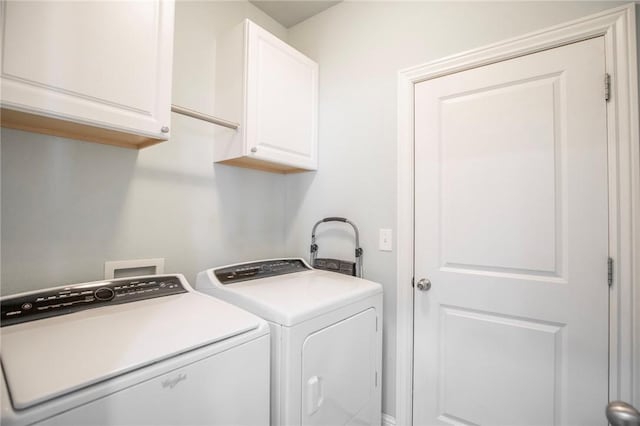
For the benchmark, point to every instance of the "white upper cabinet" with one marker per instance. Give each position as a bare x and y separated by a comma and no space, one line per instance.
271,89
97,71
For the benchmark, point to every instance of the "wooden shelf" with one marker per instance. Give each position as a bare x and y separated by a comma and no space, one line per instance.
67,129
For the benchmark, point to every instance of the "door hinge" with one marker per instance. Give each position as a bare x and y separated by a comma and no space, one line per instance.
376,379
607,87
413,284
610,271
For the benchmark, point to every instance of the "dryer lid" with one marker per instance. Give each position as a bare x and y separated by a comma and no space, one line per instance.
292,298
51,357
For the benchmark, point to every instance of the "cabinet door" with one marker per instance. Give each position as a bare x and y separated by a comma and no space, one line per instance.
282,99
102,64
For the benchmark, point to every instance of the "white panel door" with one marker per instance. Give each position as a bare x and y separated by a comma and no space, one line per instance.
511,230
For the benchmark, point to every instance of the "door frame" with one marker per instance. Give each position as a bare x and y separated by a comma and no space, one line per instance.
618,27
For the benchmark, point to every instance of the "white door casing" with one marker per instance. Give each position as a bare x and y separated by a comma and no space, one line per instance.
618,27
511,229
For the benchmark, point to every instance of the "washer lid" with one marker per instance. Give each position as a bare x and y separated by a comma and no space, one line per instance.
54,356
292,298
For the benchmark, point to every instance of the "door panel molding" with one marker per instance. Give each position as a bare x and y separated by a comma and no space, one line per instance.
618,26
540,343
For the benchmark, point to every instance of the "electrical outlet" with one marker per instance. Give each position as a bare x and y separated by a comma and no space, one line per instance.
386,240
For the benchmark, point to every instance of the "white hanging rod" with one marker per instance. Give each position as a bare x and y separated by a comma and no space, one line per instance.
204,117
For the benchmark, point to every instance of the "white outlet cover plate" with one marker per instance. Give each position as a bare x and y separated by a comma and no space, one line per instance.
386,240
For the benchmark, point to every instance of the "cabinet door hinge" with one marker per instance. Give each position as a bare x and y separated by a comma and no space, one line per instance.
610,271
607,87
413,284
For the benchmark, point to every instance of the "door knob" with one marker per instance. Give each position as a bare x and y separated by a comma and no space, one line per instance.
424,284
622,414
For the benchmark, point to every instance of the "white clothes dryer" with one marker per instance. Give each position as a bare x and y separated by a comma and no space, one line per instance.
326,329
136,351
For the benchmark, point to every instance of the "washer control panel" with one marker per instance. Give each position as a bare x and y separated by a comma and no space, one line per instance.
64,300
262,269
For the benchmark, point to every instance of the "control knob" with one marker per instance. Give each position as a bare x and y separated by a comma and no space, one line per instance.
265,267
104,293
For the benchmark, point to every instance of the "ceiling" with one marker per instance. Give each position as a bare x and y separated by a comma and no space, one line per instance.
290,13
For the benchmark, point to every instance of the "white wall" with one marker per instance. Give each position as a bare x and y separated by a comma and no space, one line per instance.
68,206
360,47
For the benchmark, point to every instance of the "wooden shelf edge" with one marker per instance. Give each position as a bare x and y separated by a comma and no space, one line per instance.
19,120
251,163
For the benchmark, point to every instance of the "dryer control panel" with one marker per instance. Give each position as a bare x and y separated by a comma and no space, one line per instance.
64,300
262,269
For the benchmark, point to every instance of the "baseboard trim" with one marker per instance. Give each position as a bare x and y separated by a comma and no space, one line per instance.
388,420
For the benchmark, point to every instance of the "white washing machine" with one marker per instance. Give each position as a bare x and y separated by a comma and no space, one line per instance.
326,331
136,351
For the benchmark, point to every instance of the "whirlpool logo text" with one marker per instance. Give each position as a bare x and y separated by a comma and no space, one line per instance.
172,382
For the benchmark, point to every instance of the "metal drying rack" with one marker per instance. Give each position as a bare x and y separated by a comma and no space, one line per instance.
336,265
